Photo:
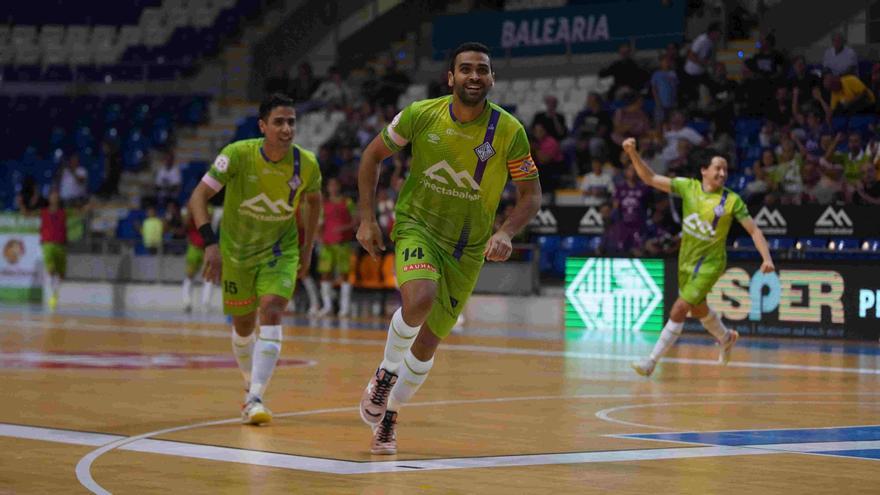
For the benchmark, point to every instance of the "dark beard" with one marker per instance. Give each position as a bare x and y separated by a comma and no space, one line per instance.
467,100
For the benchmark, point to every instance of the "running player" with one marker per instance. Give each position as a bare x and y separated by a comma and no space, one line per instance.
53,240
195,257
709,210
334,255
265,180
464,148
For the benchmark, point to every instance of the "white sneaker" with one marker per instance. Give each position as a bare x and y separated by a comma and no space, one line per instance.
727,348
644,367
254,412
324,311
314,310
344,312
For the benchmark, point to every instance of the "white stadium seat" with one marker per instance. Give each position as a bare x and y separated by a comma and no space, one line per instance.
564,83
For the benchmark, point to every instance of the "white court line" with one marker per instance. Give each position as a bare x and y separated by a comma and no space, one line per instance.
83,468
605,414
183,331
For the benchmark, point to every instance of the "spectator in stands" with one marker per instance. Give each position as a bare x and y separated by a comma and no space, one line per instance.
699,62
348,170
722,107
754,192
151,231
780,113
305,83
73,182
394,83
786,174
595,123
548,154
673,53
677,130
849,95
630,120
174,225
334,92
802,81
754,94
808,138
168,179
552,121
659,238
853,159
112,170
868,190
626,73
597,186
840,58
664,88
768,62
631,201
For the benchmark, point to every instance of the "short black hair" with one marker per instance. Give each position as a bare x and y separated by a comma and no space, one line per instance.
273,101
470,46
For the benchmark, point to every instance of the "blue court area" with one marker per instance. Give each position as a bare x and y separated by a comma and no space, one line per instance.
833,437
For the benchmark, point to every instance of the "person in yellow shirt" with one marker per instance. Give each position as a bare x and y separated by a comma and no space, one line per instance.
849,95
151,231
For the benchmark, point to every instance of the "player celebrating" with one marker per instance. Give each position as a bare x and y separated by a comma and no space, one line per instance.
463,149
265,179
709,209
334,255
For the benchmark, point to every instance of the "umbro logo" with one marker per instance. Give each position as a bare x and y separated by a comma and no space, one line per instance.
433,138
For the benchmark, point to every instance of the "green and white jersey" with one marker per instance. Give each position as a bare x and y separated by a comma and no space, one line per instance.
706,221
458,171
259,210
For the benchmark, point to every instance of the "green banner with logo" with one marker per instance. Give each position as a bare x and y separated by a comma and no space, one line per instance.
614,294
21,263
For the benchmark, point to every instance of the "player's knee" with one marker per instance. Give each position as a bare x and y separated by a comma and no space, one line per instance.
271,310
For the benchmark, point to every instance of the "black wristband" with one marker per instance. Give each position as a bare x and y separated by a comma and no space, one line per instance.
208,234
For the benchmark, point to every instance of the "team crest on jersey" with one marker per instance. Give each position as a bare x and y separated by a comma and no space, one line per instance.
485,151
294,183
221,163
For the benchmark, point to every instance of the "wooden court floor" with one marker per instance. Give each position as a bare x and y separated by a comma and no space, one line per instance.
150,405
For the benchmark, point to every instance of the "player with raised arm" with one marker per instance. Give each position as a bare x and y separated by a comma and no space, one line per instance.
709,210
463,150
258,258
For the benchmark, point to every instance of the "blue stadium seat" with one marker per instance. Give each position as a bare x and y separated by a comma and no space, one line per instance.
862,123
549,246
814,247
781,243
838,124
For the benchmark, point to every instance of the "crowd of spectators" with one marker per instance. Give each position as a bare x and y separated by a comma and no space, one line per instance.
683,109
792,132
